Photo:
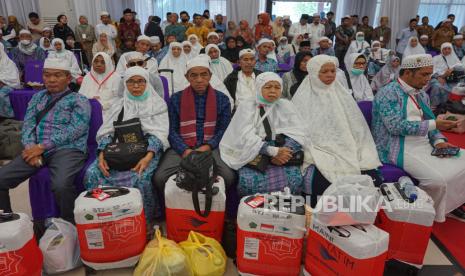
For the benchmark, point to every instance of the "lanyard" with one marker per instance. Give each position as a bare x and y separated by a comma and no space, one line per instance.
104,80
411,97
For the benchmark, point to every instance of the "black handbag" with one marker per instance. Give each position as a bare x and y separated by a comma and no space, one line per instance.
129,145
456,75
297,157
261,161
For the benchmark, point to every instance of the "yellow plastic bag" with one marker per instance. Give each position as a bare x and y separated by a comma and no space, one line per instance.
163,257
206,256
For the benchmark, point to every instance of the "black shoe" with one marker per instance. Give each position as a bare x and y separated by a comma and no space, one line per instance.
459,212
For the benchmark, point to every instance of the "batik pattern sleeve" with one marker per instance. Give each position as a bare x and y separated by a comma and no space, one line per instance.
28,137
154,144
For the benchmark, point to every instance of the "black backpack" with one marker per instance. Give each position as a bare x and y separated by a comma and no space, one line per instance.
197,173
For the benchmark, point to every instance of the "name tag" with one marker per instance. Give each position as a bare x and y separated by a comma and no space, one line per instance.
381,39
84,36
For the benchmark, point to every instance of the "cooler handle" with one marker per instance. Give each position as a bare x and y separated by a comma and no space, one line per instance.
337,230
112,191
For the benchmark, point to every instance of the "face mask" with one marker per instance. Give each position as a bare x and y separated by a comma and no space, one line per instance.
140,98
25,42
360,38
357,72
263,100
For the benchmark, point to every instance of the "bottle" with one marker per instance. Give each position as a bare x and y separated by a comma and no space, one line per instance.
408,188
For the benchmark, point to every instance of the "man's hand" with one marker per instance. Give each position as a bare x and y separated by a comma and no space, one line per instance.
34,151
103,165
186,153
204,148
143,163
444,145
36,162
445,124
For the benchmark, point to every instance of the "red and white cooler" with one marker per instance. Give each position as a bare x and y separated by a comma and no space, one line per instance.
345,250
409,224
112,231
19,253
181,217
269,241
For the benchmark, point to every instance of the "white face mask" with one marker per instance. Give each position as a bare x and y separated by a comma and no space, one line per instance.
25,42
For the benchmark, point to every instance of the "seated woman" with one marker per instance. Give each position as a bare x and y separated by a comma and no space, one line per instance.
46,45
292,79
388,73
176,61
442,80
340,139
377,58
187,50
220,66
269,128
356,78
139,101
196,46
413,47
285,51
103,45
425,43
359,46
67,56
9,79
102,82
231,52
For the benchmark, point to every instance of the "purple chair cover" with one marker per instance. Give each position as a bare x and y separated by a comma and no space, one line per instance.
391,173
166,88
284,67
33,71
19,100
42,200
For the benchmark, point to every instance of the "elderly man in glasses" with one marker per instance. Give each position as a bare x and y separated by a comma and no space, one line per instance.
141,57
199,116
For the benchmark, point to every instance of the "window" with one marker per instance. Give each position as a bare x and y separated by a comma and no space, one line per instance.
377,13
296,9
437,11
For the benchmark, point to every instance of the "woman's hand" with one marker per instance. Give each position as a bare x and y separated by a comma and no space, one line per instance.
284,155
103,166
143,163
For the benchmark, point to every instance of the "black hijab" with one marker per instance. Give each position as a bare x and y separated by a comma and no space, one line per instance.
244,44
231,54
299,74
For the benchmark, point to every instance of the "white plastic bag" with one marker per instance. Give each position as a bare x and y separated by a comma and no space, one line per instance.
60,247
350,200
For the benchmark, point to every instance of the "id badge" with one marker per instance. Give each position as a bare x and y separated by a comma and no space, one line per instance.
84,36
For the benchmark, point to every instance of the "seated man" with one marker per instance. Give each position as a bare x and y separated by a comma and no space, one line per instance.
241,82
325,47
199,116
264,63
62,150
406,131
459,47
26,51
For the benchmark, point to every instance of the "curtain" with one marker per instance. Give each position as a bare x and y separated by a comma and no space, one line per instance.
89,8
243,9
399,12
19,8
360,7
116,7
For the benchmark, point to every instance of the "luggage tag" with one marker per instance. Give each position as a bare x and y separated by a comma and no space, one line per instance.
99,194
256,201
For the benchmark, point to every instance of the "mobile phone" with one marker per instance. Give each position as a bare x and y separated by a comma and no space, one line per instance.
445,151
451,118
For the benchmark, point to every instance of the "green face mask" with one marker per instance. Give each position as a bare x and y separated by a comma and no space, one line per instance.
357,72
263,100
360,38
140,98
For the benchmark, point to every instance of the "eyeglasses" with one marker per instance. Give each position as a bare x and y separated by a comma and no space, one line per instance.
135,63
134,82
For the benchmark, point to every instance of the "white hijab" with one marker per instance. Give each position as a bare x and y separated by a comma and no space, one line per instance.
42,44
193,53
245,135
221,67
386,74
9,74
283,47
105,86
356,47
152,112
441,62
27,49
409,50
196,47
178,65
340,141
360,86
66,56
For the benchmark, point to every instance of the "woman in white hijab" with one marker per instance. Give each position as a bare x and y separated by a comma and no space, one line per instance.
284,51
413,47
388,73
196,46
356,67
377,58
359,46
9,79
46,45
67,56
444,66
339,139
175,60
187,50
220,66
246,140
102,82
139,101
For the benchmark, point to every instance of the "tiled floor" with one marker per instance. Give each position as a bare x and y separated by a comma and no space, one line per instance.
436,263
